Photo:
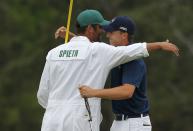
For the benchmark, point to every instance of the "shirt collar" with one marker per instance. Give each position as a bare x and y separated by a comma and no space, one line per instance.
80,38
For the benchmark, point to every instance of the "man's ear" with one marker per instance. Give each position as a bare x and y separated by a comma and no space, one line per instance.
90,29
89,32
125,35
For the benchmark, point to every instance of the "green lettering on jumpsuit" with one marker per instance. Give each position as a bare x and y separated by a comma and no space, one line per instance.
68,53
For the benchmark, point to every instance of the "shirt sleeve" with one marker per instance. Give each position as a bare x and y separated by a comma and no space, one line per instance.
114,56
43,91
133,73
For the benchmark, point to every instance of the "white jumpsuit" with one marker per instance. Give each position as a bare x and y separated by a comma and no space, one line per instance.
79,62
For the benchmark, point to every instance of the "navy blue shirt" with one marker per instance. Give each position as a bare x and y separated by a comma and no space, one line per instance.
133,73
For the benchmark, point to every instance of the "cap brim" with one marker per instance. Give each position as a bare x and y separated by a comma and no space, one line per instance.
108,28
105,22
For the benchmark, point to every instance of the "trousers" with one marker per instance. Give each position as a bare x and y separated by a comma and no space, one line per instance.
64,116
132,124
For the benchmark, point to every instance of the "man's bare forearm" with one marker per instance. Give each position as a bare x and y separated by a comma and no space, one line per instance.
153,46
112,94
118,93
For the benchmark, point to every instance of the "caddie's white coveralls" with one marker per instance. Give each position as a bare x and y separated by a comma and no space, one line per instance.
80,62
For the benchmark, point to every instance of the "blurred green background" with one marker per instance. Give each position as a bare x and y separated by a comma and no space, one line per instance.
27,33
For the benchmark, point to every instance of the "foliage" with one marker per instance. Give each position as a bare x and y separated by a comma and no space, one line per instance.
27,34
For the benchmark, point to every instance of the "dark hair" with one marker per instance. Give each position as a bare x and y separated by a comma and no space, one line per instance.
82,29
130,38
79,29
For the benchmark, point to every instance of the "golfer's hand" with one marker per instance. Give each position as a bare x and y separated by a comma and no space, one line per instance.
86,92
167,46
